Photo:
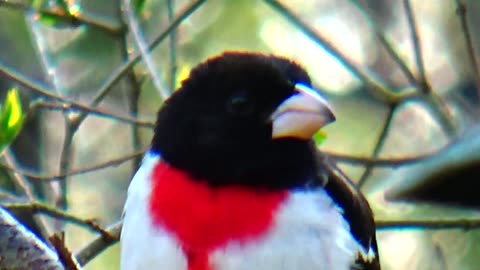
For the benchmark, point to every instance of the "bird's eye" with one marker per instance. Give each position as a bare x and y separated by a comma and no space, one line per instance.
240,104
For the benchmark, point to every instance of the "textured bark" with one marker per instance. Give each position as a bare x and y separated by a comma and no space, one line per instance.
20,249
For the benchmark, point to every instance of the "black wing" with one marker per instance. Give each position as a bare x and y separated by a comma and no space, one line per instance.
356,209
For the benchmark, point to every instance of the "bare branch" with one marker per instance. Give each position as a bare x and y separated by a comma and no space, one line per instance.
137,35
66,107
71,18
24,188
380,162
173,46
98,245
65,158
126,67
65,256
433,224
386,44
379,145
377,90
121,70
98,166
462,15
37,207
424,85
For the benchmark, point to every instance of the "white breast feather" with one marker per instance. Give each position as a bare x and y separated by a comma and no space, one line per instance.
309,233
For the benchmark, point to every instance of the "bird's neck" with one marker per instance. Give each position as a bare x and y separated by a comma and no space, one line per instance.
283,164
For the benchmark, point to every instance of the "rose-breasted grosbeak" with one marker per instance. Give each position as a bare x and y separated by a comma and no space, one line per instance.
234,182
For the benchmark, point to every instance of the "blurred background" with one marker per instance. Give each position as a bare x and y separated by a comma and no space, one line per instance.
402,77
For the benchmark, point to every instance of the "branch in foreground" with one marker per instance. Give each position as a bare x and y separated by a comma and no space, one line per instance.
21,249
65,256
98,245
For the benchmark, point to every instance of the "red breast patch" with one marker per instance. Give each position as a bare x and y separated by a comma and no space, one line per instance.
204,218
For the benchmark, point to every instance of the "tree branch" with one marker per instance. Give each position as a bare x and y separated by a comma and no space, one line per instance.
424,85
439,224
137,35
376,89
98,245
71,18
462,15
72,107
37,207
379,145
98,166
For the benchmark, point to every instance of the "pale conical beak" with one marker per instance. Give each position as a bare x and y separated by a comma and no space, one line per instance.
301,115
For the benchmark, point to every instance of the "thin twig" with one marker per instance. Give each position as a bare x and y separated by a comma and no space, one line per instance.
377,90
68,103
441,258
137,35
433,224
91,111
119,72
65,158
386,44
67,17
424,85
173,46
97,166
8,197
21,184
24,188
441,112
64,254
462,15
380,162
40,47
379,145
98,245
134,88
37,207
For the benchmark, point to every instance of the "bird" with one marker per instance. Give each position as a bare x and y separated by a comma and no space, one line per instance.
233,180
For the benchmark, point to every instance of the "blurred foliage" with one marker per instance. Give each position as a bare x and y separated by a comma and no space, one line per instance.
11,118
72,49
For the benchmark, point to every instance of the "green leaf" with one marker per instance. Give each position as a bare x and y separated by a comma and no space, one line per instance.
138,6
11,118
57,13
320,137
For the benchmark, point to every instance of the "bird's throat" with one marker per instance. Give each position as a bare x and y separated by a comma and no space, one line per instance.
205,218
